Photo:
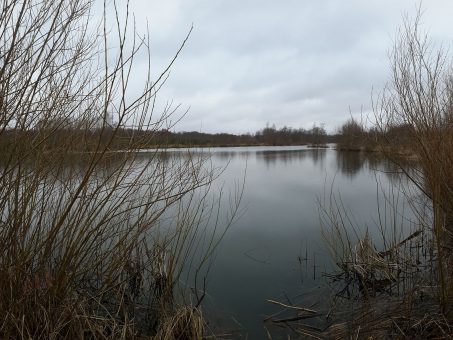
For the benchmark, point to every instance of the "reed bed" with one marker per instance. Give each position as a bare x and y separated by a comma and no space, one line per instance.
382,289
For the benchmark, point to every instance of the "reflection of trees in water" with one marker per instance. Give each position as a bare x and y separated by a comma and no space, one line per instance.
223,155
71,167
379,163
319,156
270,157
350,163
226,155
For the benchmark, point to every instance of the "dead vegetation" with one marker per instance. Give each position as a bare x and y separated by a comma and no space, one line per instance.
398,282
93,242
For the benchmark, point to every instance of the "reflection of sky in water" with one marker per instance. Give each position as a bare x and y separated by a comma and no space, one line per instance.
258,258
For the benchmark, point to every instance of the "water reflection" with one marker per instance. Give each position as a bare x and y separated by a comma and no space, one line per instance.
226,155
278,240
271,157
350,163
276,249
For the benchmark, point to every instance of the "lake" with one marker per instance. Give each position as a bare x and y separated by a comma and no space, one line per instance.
276,249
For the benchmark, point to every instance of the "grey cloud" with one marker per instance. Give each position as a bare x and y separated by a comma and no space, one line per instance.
289,62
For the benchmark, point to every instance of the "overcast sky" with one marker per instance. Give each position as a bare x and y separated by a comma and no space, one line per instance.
291,62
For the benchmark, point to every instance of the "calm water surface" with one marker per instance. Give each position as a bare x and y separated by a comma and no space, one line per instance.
276,249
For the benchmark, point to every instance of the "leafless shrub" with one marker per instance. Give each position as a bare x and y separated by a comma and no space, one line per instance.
419,99
413,120
352,135
94,234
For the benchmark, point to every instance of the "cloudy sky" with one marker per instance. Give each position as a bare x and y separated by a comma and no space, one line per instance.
293,62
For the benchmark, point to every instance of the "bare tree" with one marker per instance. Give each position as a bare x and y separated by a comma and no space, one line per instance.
352,135
94,234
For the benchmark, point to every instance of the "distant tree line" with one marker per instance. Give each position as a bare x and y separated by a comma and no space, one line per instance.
352,135
86,137
269,135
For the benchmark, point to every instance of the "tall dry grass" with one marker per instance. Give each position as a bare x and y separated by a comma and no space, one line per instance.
94,235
